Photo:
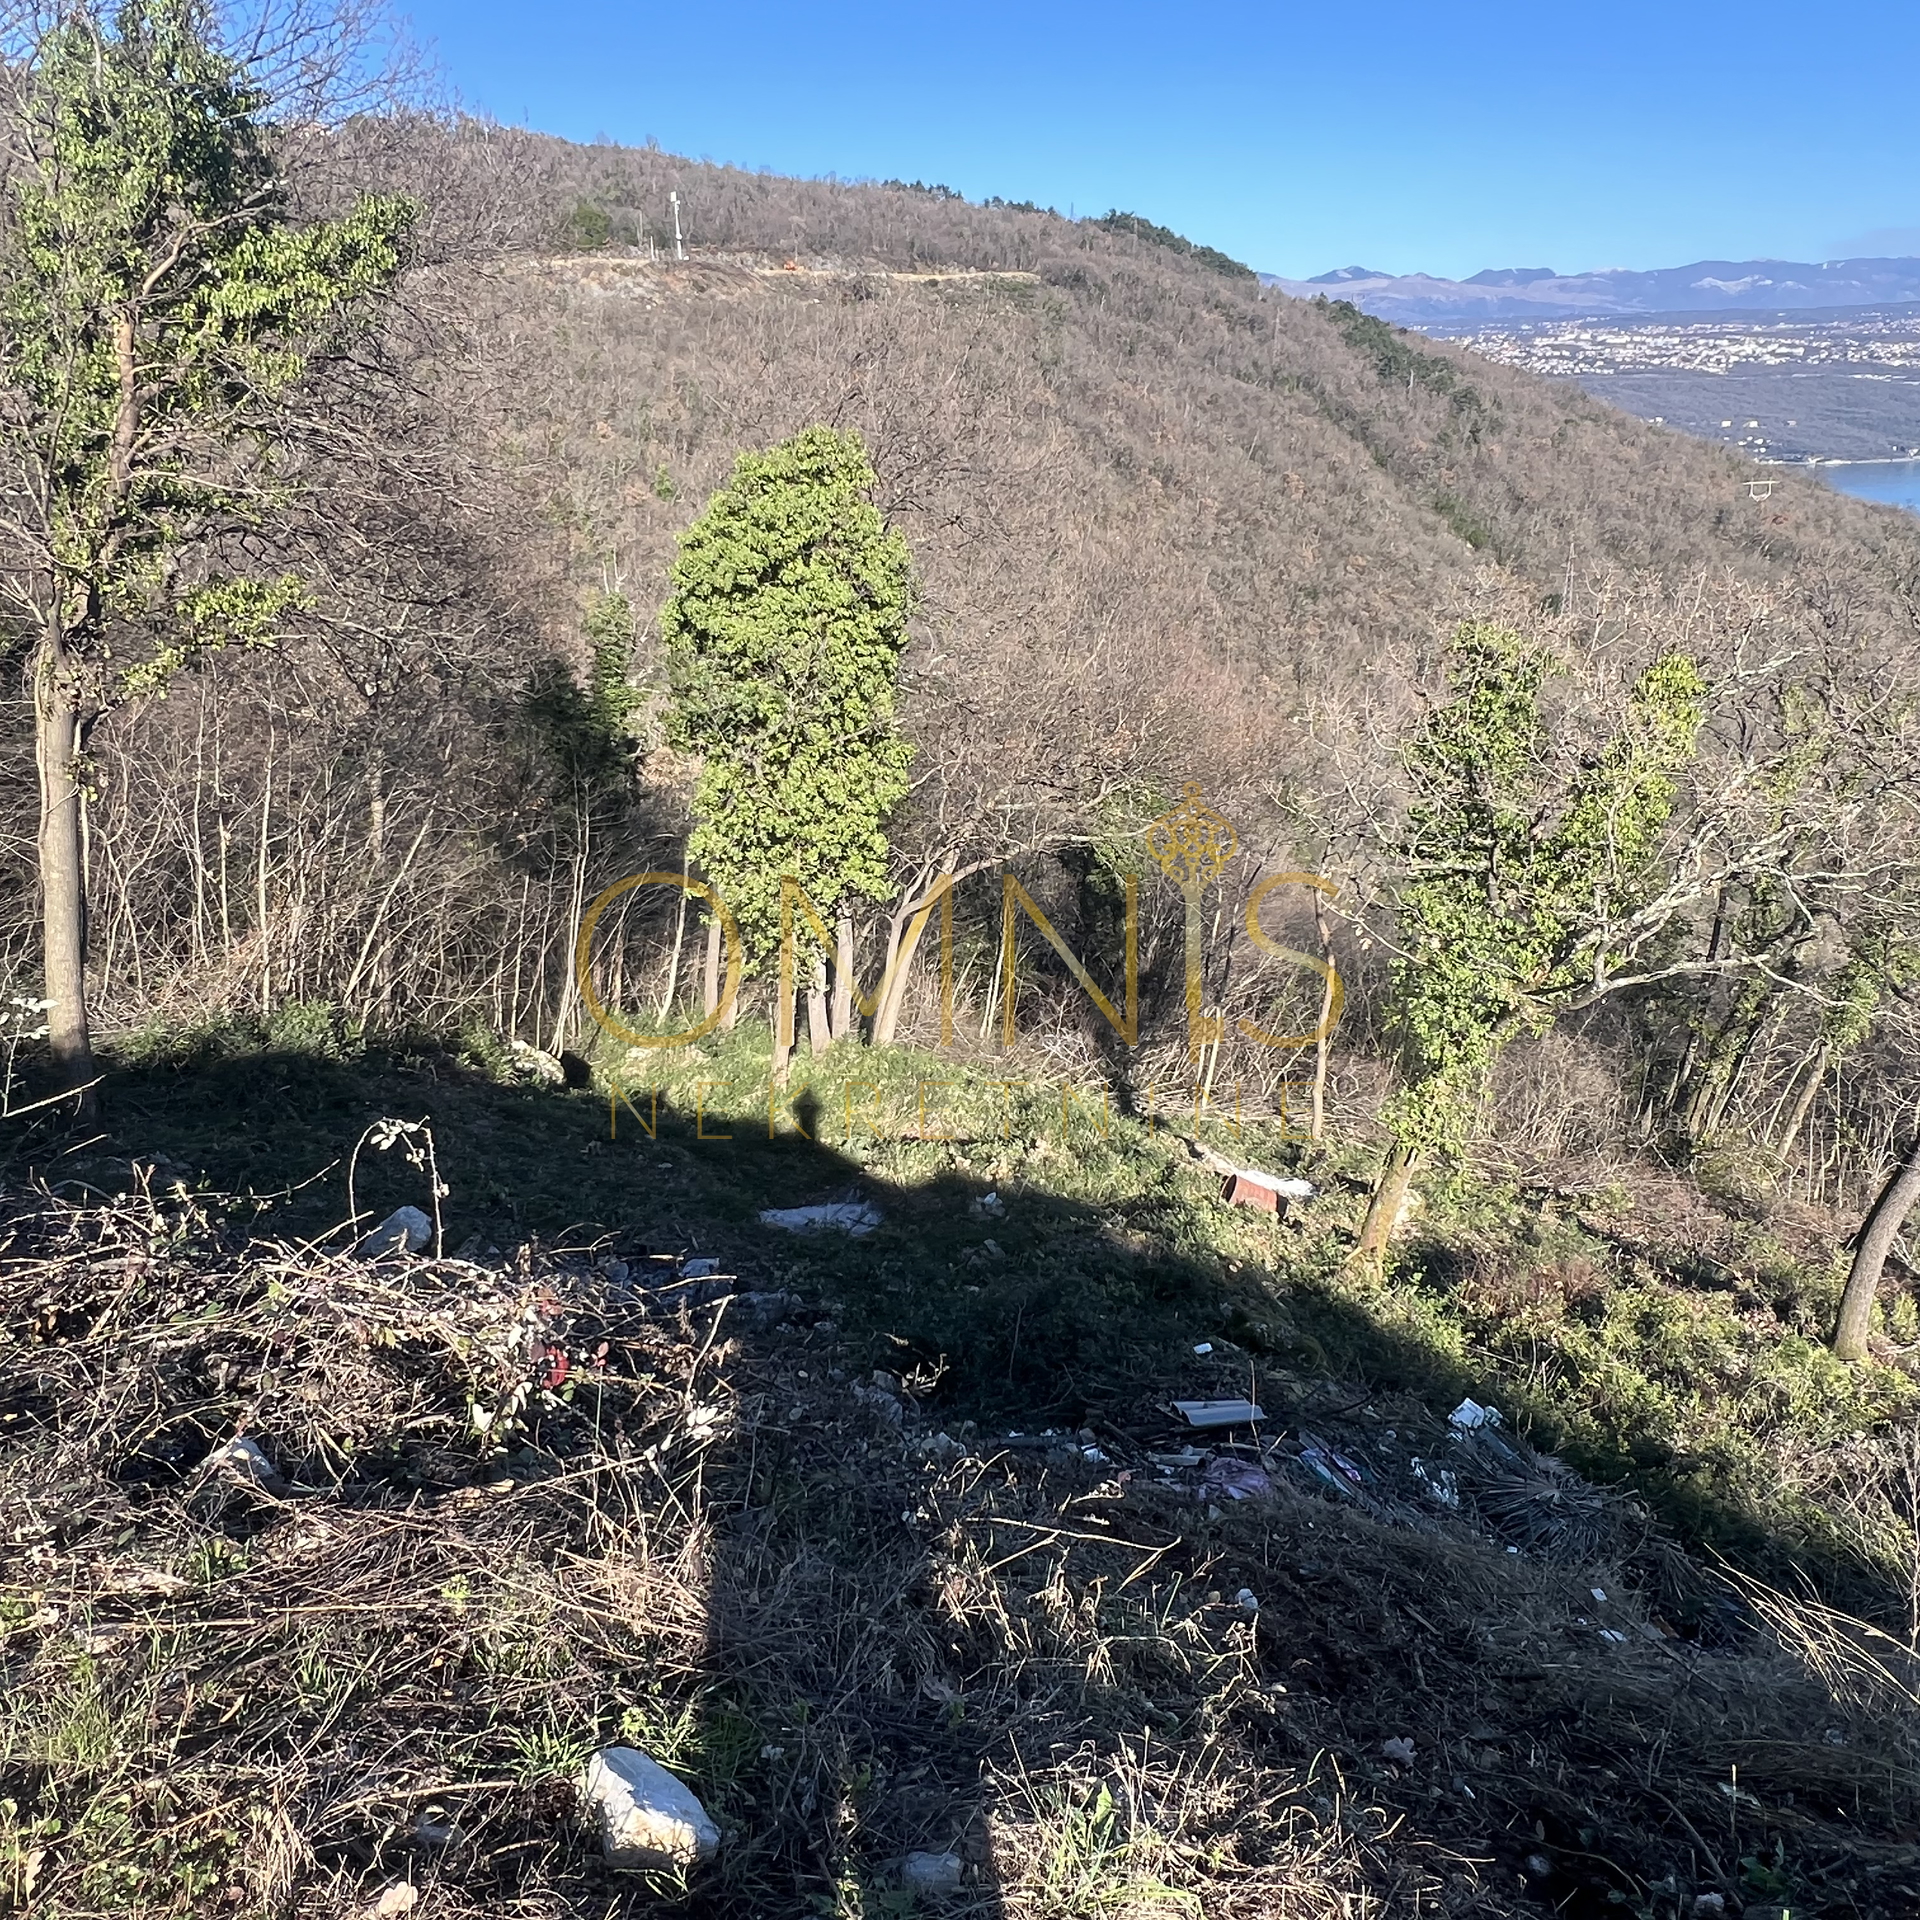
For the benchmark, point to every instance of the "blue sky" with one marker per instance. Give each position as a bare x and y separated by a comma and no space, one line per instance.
1431,137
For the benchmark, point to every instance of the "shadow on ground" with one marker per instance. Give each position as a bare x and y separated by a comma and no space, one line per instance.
954,1600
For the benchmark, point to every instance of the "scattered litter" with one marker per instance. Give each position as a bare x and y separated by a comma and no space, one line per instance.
702,1269
932,1872
402,1897
1614,1634
988,1203
645,1817
1400,1752
245,1460
1470,1414
404,1230
1181,1458
844,1216
1236,1479
1249,1186
1218,1413
1249,1601
1599,1593
1327,1463
1439,1483
1094,1454
1237,1190
1204,1348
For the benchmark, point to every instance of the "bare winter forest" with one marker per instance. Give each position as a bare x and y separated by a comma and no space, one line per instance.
1171,530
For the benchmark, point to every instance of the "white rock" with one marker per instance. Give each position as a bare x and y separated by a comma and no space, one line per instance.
539,1064
932,1872
404,1230
645,1817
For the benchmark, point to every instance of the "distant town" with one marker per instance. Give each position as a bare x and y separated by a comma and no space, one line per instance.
1782,387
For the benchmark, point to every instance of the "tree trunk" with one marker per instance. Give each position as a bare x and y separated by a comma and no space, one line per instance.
1877,1234
904,934
1789,1131
1323,1046
819,1033
710,987
842,1022
63,885
1389,1197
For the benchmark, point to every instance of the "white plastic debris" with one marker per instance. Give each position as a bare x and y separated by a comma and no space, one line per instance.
1438,1481
932,1872
1283,1184
402,1897
1400,1752
1218,1413
1599,1593
1204,1348
991,1204
1470,1414
645,1817
1614,1634
246,1460
844,1216
404,1230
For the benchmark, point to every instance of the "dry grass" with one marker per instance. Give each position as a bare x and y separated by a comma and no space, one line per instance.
856,1635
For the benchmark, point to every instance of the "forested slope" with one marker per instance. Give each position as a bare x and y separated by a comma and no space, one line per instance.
1172,528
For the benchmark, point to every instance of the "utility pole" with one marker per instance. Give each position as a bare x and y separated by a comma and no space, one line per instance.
679,251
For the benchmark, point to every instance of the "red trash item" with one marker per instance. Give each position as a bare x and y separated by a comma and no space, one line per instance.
1239,1191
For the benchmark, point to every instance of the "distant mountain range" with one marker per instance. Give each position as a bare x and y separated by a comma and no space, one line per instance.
1538,293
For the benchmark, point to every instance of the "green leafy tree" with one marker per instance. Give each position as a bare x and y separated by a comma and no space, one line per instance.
159,304
791,597
1525,892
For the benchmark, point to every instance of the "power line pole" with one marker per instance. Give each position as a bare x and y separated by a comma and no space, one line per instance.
679,251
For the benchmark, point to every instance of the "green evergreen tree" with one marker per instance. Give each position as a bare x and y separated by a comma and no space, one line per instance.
791,597
159,302
1520,892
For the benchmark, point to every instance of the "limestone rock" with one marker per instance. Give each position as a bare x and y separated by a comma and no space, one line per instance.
404,1230
645,1817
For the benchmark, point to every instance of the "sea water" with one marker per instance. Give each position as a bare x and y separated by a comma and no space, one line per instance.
1891,483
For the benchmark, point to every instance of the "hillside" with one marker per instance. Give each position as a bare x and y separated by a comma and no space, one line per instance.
896,1543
